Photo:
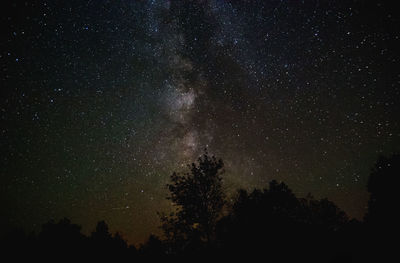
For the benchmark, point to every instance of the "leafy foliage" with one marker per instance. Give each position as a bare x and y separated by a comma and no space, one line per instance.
199,199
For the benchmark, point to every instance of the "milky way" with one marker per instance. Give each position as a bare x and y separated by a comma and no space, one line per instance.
102,100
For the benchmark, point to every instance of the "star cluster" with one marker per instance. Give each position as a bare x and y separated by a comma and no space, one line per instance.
102,100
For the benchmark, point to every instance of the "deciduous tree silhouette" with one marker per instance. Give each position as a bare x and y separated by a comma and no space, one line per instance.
104,243
60,240
101,236
62,236
199,198
276,221
383,186
154,248
382,217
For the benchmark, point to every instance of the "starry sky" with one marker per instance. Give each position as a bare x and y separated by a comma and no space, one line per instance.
102,100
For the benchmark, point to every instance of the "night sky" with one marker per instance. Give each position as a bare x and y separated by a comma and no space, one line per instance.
102,100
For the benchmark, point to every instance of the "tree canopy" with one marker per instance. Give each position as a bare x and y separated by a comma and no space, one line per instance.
199,198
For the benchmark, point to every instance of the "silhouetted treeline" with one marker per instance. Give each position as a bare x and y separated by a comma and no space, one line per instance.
271,224
64,240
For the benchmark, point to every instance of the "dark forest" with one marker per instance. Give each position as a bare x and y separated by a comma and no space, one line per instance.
271,224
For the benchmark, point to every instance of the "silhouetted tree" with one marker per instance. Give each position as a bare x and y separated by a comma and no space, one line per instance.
101,235
323,213
199,198
102,240
15,241
118,242
382,217
62,239
274,220
154,248
383,185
